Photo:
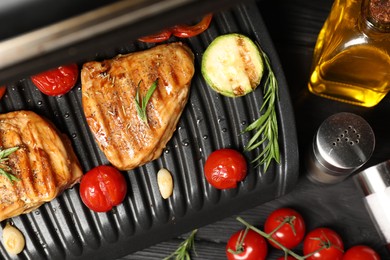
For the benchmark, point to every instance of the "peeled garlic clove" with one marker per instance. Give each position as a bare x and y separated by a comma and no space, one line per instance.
165,183
13,239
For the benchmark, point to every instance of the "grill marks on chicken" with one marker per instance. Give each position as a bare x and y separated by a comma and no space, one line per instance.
109,93
45,163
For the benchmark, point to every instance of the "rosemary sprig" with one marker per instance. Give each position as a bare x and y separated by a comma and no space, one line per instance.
266,126
141,103
183,251
4,168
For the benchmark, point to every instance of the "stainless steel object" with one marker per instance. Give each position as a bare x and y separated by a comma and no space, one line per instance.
343,143
374,179
77,38
79,28
374,182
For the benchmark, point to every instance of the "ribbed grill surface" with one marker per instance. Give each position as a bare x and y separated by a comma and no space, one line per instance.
66,229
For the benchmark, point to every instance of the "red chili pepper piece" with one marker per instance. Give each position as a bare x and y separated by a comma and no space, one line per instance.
186,31
2,91
157,37
181,31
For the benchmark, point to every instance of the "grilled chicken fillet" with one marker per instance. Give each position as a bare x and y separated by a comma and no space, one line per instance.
109,101
45,163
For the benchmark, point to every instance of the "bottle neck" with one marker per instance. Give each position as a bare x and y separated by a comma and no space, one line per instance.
376,15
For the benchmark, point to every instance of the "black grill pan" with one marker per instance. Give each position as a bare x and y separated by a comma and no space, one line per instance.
66,229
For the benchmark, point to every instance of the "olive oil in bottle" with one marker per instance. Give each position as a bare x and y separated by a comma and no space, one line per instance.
351,60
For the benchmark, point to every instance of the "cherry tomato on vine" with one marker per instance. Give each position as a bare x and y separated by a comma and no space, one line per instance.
289,234
249,246
327,239
186,31
224,168
102,188
57,81
2,91
361,252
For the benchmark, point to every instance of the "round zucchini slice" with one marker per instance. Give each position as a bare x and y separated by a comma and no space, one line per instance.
232,65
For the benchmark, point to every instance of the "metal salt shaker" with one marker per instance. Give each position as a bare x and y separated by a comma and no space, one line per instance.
374,184
342,144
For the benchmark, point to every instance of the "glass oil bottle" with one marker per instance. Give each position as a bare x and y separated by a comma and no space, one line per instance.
351,60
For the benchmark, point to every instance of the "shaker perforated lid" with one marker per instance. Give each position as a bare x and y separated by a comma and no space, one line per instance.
342,144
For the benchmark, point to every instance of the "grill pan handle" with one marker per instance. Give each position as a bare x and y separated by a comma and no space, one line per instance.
80,37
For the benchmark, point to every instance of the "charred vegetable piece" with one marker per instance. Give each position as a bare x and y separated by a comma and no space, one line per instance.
57,81
232,65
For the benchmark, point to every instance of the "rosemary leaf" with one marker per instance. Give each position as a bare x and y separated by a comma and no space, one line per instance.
138,106
5,169
183,251
266,126
5,153
10,176
141,103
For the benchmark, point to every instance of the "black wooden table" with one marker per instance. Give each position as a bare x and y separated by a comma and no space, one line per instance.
294,26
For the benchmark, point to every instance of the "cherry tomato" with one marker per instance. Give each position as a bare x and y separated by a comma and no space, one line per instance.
327,239
158,37
253,246
361,252
2,91
186,31
224,168
291,233
102,188
56,81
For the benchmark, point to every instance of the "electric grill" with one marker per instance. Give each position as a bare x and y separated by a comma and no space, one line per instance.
64,228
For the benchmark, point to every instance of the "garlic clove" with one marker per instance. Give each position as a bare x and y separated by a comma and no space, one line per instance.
165,183
13,239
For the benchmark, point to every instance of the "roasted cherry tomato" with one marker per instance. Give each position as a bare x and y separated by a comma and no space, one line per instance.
186,31
102,188
289,234
57,81
249,246
361,252
158,37
324,244
2,91
224,168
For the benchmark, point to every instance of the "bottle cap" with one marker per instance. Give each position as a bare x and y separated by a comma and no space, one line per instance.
342,144
374,179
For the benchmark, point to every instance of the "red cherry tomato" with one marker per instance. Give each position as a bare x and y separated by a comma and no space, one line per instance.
291,233
186,31
102,188
56,81
2,91
361,252
158,37
327,239
224,168
253,247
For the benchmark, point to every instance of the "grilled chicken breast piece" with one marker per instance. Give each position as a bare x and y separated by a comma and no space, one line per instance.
45,163
109,91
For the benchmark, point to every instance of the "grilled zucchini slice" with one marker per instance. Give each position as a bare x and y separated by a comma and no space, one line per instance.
232,65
